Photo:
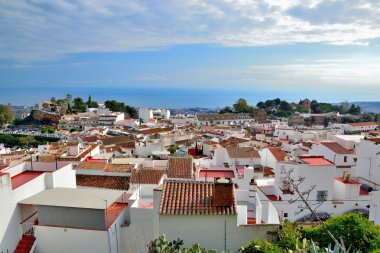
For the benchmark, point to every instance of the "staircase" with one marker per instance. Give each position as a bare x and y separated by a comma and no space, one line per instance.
26,244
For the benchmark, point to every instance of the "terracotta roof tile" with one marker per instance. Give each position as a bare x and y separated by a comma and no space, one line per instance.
278,153
336,148
187,197
120,168
243,152
180,167
146,176
116,140
106,182
91,166
359,124
156,130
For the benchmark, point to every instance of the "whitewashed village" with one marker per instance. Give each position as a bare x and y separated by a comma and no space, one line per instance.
112,183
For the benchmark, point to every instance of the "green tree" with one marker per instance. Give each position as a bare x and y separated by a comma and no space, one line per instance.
91,104
172,149
26,141
355,110
131,111
115,106
226,109
241,106
6,114
79,105
69,98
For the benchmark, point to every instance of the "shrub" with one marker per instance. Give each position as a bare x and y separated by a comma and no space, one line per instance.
355,230
258,246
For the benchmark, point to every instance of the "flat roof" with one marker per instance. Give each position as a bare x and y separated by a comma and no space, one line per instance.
216,173
24,177
74,197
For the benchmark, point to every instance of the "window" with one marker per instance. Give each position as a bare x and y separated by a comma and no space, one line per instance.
345,158
322,195
285,215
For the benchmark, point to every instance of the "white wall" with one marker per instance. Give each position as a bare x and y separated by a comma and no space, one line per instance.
374,211
58,240
139,232
212,231
368,163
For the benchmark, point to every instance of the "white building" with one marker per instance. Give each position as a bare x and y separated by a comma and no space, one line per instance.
68,218
223,119
212,216
340,156
236,156
368,162
360,127
146,114
334,195
20,182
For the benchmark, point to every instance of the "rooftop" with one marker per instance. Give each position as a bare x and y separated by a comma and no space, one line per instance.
244,152
180,167
359,124
146,176
278,153
76,198
187,197
105,182
341,179
336,148
24,177
216,174
91,166
316,161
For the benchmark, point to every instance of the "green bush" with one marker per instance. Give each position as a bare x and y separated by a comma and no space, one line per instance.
355,230
258,246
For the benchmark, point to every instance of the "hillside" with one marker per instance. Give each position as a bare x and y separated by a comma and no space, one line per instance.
369,106
39,117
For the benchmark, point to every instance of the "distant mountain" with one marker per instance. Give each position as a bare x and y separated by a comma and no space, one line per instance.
368,106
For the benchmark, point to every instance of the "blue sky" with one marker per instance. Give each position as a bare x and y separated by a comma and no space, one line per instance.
190,53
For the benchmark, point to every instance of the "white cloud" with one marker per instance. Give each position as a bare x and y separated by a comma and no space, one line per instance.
51,29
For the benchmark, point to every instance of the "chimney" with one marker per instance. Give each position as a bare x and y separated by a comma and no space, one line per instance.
224,194
347,177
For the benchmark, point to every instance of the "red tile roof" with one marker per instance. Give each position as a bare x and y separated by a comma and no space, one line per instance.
244,152
278,153
336,148
91,165
146,176
316,161
156,130
105,182
90,138
180,167
359,124
216,174
187,197
120,168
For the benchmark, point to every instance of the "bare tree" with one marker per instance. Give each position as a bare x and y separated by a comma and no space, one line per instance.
303,198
